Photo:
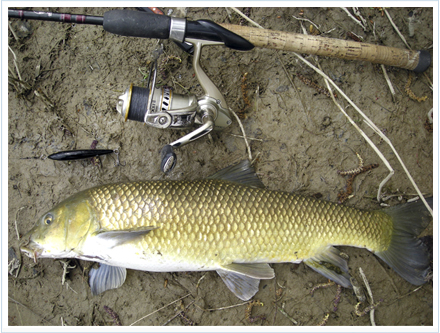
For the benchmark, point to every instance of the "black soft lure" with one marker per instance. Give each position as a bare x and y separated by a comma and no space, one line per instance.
69,155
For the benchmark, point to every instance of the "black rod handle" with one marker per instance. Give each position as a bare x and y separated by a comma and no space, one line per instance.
137,24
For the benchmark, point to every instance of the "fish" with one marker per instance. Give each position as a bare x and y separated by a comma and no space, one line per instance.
228,223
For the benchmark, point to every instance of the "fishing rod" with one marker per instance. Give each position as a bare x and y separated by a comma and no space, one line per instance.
149,25
162,108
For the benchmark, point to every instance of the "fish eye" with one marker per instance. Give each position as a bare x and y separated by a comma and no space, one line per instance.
48,219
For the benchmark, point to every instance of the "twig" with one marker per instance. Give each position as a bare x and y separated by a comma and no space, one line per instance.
26,307
390,85
15,63
65,268
286,315
200,280
367,285
163,307
395,27
354,18
407,294
307,20
389,278
358,14
255,158
245,17
241,136
178,314
244,134
69,287
223,308
14,33
16,226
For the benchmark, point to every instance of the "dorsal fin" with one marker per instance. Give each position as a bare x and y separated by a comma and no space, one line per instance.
242,173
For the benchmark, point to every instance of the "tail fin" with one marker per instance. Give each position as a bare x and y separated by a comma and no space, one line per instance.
407,254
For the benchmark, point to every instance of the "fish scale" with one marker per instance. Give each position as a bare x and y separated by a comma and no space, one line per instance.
233,222
228,223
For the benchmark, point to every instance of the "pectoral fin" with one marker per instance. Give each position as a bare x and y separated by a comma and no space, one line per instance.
106,277
118,237
332,266
243,279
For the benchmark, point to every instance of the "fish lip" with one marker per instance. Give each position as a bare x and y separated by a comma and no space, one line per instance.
32,250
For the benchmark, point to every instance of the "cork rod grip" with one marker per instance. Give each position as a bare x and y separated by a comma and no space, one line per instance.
417,61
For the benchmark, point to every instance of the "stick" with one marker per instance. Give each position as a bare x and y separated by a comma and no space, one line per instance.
395,28
26,307
16,227
241,136
390,85
354,18
223,308
178,314
306,20
15,63
163,307
244,134
287,316
367,285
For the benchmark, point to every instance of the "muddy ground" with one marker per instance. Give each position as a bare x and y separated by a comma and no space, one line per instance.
71,76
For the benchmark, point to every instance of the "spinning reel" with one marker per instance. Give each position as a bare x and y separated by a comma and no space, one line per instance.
163,108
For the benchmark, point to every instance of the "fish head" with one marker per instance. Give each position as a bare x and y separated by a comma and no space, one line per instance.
60,232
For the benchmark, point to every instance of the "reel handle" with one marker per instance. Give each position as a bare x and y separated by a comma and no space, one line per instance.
168,159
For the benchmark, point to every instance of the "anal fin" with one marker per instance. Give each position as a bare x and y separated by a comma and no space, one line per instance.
257,271
332,266
243,279
244,287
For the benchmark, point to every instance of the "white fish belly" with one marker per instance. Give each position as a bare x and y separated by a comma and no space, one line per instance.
132,257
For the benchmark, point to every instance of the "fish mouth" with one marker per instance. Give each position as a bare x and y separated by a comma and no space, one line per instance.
31,249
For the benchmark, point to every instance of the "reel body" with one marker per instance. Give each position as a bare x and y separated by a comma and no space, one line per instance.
160,107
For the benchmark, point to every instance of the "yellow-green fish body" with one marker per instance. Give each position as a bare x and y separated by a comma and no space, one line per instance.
228,223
